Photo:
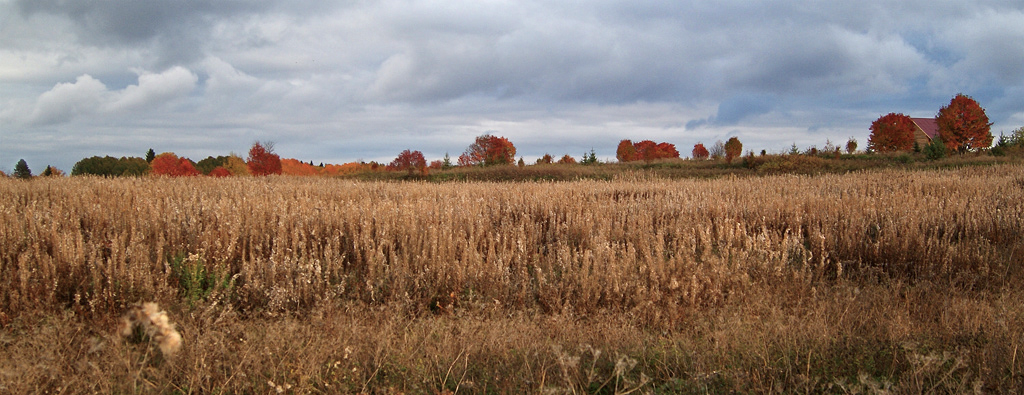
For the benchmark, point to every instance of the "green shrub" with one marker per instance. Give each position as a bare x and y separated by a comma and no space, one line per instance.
196,280
935,150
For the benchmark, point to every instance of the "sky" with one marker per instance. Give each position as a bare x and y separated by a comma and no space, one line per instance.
341,81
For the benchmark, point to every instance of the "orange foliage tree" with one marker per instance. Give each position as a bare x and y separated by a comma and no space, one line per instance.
646,150
733,149
700,151
411,161
262,160
666,150
567,160
295,167
169,164
488,150
626,152
892,132
963,125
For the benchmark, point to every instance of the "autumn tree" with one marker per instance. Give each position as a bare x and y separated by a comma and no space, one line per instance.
567,160
699,151
626,152
667,151
169,164
295,167
411,161
963,125
851,145
236,165
891,132
219,171
545,160
262,160
52,172
733,149
488,150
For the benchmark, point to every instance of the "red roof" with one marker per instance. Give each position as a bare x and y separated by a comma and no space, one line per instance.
928,125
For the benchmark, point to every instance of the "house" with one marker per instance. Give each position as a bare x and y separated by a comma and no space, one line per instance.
925,130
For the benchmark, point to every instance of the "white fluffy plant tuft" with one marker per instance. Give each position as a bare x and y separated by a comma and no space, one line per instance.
155,324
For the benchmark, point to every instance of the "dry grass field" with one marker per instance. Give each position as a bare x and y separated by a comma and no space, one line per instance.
880,281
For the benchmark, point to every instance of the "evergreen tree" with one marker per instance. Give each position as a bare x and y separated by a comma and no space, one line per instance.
22,171
150,155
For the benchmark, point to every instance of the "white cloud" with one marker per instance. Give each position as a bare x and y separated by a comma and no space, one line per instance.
153,89
87,95
68,100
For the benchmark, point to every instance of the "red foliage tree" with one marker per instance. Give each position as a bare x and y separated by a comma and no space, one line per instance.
666,150
733,149
169,164
488,150
262,160
646,150
892,132
567,160
626,152
700,152
410,161
219,171
963,125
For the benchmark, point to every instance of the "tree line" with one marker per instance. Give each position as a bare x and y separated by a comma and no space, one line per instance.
962,126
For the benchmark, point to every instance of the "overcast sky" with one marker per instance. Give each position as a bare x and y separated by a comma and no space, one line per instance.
338,81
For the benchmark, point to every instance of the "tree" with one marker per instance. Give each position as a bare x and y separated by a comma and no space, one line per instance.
207,165
733,149
589,159
236,165
626,151
699,151
851,146
718,150
936,149
963,125
488,150
891,132
447,162
150,155
411,161
169,164
295,167
219,171
262,160
667,151
545,160
22,171
567,160
646,150
52,172
1016,137
111,167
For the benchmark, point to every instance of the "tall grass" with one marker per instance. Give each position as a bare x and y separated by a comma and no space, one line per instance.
654,255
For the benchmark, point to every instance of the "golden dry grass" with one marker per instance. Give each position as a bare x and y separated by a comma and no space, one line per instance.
884,280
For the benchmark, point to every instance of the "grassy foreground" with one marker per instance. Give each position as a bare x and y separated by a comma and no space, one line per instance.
882,281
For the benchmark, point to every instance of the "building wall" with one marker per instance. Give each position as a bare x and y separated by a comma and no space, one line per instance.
920,137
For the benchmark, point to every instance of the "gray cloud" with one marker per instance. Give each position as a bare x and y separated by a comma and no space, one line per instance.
347,80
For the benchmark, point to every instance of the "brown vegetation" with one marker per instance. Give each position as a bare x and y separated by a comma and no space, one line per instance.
883,280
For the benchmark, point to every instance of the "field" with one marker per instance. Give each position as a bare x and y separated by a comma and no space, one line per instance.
875,281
